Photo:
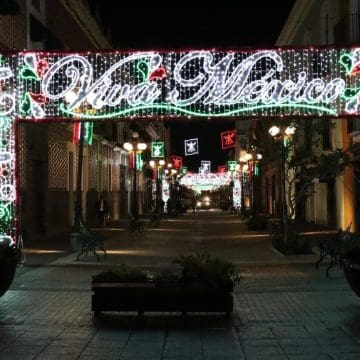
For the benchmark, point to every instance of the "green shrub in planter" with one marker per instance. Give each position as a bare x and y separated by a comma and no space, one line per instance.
350,254
121,273
9,258
202,267
295,245
204,284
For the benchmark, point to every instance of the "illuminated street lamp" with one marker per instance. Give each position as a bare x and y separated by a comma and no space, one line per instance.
135,148
243,167
282,135
157,165
171,175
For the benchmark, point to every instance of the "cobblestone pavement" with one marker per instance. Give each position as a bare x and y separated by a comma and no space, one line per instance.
282,310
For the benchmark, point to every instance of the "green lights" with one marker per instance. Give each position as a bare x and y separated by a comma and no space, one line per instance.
27,73
142,68
346,61
171,109
231,165
158,149
139,161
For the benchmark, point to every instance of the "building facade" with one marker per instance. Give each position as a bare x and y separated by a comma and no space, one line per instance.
334,202
48,157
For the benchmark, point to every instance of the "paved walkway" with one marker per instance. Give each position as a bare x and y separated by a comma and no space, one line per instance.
281,311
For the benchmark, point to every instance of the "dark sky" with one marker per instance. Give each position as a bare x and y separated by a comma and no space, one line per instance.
190,25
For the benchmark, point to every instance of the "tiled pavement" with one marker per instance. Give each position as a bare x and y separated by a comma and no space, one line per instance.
283,309
281,312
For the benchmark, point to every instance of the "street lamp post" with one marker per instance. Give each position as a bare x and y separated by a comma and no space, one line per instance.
243,160
134,148
254,160
78,218
171,174
157,165
281,134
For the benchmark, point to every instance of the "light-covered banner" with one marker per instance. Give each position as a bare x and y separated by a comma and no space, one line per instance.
281,82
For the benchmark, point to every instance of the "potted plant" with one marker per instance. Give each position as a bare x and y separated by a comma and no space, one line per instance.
202,284
350,255
9,258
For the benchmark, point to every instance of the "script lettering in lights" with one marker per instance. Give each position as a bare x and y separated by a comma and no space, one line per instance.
279,82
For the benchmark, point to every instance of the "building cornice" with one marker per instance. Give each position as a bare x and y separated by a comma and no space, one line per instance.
81,14
298,14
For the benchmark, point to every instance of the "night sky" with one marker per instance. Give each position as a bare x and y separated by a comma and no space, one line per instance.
188,25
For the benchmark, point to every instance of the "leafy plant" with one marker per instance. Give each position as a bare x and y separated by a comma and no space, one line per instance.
350,247
198,268
121,273
10,253
296,245
202,267
166,276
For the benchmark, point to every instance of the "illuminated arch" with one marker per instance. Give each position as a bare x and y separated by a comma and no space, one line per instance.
53,86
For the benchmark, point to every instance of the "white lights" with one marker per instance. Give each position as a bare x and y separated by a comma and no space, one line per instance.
128,146
141,146
191,146
279,82
70,96
274,130
290,130
203,181
153,164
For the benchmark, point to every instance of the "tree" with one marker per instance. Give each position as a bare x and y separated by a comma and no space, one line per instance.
306,158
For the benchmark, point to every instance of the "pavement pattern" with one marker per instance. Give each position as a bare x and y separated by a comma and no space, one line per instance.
283,307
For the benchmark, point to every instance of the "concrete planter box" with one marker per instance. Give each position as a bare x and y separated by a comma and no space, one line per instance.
352,275
163,297
7,273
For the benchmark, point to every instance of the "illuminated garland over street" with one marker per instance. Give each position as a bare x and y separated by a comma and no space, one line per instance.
205,181
304,82
85,86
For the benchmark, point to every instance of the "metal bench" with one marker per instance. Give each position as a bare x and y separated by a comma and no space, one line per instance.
334,248
136,225
155,220
90,242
